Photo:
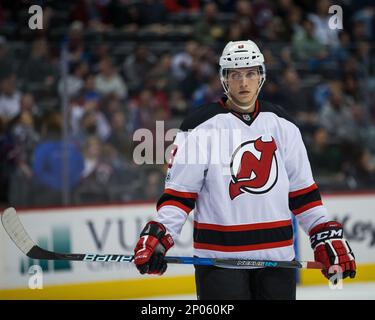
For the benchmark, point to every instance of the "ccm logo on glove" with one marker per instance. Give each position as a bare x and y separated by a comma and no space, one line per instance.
331,249
326,235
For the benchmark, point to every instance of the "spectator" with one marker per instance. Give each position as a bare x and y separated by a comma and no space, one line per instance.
10,98
182,61
351,87
341,52
326,158
89,91
366,16
359,31
110,105
39,68
155,184
192,80
297,99
88,120
98,53
28,104
272,91
245,17
275,31
363,55
209,29
74,81
263,14
179,106
48,165
76,44
283,8
96,174
120,138
108,80
145,109
294,21
235,32
336,116
25,136
323,33
212,91
305,45
275,66
7,63
136,66
361,173
160,76
93,155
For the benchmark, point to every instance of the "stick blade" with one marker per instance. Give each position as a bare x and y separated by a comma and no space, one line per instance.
13,226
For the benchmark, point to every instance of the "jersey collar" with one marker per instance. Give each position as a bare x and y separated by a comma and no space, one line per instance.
248,118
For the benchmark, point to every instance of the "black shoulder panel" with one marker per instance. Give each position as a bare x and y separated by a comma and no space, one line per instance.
265,106
202,114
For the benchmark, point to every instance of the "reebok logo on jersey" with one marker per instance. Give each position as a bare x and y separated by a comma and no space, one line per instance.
253,167
246,117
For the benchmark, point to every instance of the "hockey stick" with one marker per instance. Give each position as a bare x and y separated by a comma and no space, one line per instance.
22,240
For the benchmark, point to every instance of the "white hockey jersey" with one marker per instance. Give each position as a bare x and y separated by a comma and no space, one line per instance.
244,175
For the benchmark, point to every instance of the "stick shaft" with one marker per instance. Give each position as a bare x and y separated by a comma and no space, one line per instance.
23,241
39,253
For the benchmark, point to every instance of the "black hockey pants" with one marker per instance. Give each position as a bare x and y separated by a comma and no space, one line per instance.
214,283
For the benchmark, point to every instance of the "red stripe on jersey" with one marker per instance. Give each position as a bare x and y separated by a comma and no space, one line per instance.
243,227
251,247
307,207
303,191
191,195
176,204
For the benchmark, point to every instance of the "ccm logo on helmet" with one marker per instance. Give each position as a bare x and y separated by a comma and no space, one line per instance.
241,58
253,167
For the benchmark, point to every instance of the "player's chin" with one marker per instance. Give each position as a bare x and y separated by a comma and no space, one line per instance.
244,100
244,97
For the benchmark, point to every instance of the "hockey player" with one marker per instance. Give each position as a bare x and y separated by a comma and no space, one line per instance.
242,203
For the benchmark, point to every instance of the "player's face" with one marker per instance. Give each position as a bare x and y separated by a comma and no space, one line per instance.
243,84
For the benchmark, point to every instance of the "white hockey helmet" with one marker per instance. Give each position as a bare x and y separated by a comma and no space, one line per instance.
241,54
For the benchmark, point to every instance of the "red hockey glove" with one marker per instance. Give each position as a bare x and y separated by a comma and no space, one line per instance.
330,248
151,248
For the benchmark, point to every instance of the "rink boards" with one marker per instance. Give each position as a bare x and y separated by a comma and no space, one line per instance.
115,229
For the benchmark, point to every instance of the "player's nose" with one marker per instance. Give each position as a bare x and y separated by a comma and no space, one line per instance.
243,85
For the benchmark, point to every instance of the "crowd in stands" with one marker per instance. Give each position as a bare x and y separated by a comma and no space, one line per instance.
130,63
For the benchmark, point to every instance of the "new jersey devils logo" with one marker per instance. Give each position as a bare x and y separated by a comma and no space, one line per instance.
253,167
